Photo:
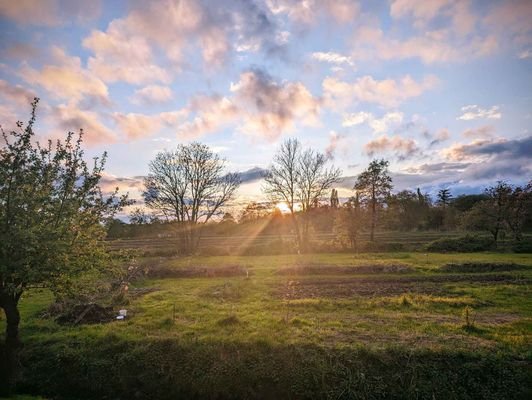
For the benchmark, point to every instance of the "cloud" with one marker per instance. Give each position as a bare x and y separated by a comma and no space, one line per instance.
473,111
377,125
441,136
387,93
510,20
334,140
437,36
484,132
458,13
49,12
134,185
271,108
308,11
70,118
23,51
332,58
15,94
152,94
524,54
252,175
491,149
67,79
150,42
136,126
211,113
402,148
123,56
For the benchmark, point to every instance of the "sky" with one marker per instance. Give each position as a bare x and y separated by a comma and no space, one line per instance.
440,88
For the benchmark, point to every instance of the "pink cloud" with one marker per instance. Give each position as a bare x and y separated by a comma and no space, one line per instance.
387,92
66,79
401,147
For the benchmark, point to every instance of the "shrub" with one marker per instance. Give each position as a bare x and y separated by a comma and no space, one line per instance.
465,244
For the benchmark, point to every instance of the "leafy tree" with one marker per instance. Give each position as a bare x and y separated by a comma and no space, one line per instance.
466,202
189,185
519,209
404,210
299,177
373,186
352,220
51,221
491,214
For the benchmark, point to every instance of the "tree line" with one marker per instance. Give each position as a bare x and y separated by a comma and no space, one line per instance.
189,188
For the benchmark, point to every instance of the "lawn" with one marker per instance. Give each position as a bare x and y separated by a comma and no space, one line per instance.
392,325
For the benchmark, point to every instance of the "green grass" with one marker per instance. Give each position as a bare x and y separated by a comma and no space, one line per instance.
299,336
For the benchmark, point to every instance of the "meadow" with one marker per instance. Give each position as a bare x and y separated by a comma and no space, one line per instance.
334,326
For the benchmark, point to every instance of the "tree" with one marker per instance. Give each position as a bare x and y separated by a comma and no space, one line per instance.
189,185
254,211
444,197
335,203
405,210
51,221
299,177
491,214
519,209
352,220
139,217
373,186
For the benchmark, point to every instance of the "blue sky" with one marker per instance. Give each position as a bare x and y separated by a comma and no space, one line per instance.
441,88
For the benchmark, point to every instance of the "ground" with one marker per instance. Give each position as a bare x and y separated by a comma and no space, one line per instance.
403,304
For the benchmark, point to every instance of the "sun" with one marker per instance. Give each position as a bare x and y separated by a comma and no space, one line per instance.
283,207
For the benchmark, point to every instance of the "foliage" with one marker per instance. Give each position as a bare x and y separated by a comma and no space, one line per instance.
374,186
506,208
51,217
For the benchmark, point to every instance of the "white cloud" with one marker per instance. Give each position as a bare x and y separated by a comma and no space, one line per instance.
378,125
473,111
332,58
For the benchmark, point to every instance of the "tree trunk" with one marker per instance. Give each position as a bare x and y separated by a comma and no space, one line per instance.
373,218
10,363
298,233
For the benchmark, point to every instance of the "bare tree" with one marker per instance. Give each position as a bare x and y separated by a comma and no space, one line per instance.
314,179
374,185
188,185
299,177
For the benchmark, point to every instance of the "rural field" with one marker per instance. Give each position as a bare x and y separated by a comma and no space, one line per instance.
332,326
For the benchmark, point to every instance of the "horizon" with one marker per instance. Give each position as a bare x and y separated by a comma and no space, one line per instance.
441,91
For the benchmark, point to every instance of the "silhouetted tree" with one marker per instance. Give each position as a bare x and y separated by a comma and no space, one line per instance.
374,185
444,197
298,177
189,185
335,203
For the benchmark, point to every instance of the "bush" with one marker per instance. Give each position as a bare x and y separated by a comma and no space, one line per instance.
465,244
524,246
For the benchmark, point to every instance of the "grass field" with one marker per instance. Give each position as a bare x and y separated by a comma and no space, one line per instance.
381,325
